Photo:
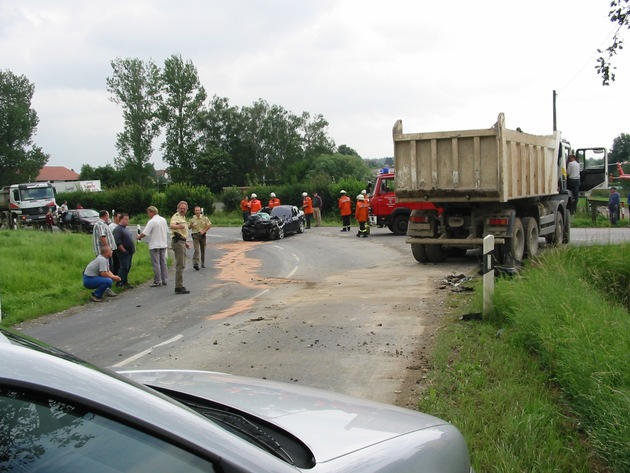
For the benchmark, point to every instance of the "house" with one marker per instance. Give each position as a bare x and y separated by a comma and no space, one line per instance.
56,174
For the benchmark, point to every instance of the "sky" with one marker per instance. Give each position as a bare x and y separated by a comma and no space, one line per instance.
362,64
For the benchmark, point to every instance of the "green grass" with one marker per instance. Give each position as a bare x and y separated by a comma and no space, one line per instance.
42,272
543,384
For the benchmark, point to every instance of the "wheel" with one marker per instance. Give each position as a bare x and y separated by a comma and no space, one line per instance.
301,227
419,253
566,235
399,224
558,235
279,233
435,253
514,249
531,236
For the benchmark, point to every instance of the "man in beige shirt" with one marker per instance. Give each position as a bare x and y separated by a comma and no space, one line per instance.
199,226
179,229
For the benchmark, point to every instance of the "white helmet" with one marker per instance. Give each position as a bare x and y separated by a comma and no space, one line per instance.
304,194
360,197
272,194
342,192
254,196
363,192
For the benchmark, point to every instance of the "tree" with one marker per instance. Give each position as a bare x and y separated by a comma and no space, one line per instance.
108,175
20,159
135,86
619,13
181,115
343,149
620,150
339,166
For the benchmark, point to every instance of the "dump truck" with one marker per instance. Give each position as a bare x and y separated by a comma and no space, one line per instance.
494,181
26,204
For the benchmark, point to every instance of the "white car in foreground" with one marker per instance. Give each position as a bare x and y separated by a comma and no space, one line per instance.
61,414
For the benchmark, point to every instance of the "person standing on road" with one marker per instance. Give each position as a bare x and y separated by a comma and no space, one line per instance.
156,232
614,202
199,225
254,204
573,181
317,209
126,247
345,207
361,215
273,201
97,275
307,206
246,208
179,227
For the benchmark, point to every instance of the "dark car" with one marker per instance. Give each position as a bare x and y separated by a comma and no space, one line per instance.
273,224
79,220
62,414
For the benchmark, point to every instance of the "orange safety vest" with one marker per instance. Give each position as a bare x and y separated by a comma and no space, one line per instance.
345,205
274,202
307,205
255,205
361,213
245,205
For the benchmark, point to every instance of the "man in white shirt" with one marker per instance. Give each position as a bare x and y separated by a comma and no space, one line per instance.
573,181
156,233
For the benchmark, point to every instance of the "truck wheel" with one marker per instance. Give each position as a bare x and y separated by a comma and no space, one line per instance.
531,236
435,253
399,224
419,253
514,249
566,237
558,235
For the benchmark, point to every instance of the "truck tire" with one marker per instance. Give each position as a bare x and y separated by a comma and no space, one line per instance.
399,224
435,253
531,236
557,236
513,250
419,253
566,238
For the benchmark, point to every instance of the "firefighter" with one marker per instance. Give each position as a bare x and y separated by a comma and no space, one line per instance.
254,204
245,208
307,206
361,215
273,201
345,207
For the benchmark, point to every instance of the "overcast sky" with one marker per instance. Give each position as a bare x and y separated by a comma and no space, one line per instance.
362,64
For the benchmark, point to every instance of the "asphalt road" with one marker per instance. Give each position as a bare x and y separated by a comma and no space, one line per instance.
324,309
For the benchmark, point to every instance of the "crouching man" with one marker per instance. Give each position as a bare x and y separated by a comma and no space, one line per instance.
97,275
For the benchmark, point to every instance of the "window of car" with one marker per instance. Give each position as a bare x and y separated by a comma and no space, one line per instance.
38,433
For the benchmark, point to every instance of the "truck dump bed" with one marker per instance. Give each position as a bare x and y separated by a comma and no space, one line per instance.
487,165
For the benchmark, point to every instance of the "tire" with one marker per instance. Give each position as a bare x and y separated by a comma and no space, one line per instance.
280,233
399,224
514,250
566,235
435,253
301,227
419,253
558,235
531,236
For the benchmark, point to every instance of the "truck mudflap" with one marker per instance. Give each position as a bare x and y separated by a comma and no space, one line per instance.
469,242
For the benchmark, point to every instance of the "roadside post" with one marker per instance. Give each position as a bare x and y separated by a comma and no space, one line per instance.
488,273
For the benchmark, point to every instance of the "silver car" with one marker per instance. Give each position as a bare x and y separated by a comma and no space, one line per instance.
61,414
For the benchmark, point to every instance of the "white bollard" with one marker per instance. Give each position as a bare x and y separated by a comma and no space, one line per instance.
488,273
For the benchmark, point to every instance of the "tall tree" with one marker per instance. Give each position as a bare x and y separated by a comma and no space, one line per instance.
181,114
135,85
20,159
620,150
315,139
619,13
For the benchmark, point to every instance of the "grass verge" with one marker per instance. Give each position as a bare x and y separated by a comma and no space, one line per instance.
542,384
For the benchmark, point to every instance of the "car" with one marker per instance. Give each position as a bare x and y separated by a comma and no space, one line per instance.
274,224
60,413
79,220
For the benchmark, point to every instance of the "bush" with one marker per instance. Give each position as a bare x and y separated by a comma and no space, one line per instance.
194,195
231,198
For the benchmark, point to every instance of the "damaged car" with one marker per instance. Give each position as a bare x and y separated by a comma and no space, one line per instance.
274,224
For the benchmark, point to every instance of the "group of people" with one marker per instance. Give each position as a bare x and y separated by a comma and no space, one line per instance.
114,246
312,207
361,213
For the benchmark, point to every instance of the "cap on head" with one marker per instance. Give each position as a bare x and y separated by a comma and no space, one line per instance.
363,192
273,194
304,194
342,192
254,196
360,197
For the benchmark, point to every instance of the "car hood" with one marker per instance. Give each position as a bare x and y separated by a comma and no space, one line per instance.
330,424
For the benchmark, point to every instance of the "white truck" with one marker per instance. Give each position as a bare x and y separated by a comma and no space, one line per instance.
26,204
488,181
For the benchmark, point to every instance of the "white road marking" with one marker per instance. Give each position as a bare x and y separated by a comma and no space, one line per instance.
147,351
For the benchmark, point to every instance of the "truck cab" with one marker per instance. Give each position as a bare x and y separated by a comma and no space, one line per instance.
385,210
